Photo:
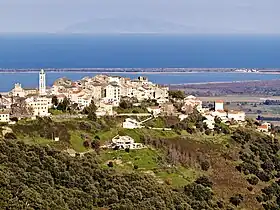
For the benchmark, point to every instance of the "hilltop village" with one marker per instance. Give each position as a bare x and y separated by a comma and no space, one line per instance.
107,93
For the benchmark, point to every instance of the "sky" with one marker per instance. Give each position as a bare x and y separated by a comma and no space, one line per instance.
199,16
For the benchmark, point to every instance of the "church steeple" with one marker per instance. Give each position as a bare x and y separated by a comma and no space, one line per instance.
42,82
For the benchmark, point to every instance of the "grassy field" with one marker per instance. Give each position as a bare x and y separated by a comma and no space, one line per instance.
149,161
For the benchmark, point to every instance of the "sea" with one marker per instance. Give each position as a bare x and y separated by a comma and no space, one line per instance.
138,51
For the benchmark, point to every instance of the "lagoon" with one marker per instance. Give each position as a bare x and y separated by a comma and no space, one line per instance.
28,80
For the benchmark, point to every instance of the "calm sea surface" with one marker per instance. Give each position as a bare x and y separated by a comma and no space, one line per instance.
7,80
143,51
138,51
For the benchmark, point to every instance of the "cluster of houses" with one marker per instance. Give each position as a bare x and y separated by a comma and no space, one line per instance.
225,116
106,91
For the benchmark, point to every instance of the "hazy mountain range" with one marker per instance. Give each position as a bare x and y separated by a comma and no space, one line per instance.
126,25
147,25
140,16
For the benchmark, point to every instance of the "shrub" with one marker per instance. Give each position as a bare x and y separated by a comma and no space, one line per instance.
263,176
85,126
253,180
207,132
97,137
136,167
14,119
168,181
10,136
95,144
250,188
236,200
86,144
111,164
204,180
259,198
205,165
220,204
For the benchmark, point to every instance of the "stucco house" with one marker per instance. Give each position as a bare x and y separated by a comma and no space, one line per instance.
155,110
124,142
130,123
4,116
236,115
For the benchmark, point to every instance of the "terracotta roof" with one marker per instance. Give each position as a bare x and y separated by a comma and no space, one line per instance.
263,126
235,112
219,101
221,111
76,91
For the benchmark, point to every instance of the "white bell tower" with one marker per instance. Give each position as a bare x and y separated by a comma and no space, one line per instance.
42,82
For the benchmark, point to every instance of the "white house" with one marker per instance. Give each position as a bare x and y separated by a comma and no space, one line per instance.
39,105
264,127
219,105
236,115
209,121
18,91
191,102
221,114
111,92
84,100
5,102
131,124
155,110
104,110
125,142
4,116
182,117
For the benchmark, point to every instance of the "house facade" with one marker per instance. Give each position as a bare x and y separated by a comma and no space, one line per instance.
4,116
39,105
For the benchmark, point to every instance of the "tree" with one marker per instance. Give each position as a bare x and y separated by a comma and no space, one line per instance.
125,104
95,144
10,136
204,180
90,111
63,106
205,165
97,138
236,200
86,144
55,100
178,94
111,164
253,180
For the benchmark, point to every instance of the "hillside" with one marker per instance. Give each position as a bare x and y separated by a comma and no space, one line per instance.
186,168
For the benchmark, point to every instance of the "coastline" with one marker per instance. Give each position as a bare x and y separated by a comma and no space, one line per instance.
221,82
137,72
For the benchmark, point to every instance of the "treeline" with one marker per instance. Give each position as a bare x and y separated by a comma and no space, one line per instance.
35,177
260,162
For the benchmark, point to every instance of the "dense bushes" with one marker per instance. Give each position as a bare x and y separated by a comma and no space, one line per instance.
260,158
33,177
253,180
43,127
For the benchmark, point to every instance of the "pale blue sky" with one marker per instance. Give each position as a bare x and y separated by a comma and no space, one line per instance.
198,16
